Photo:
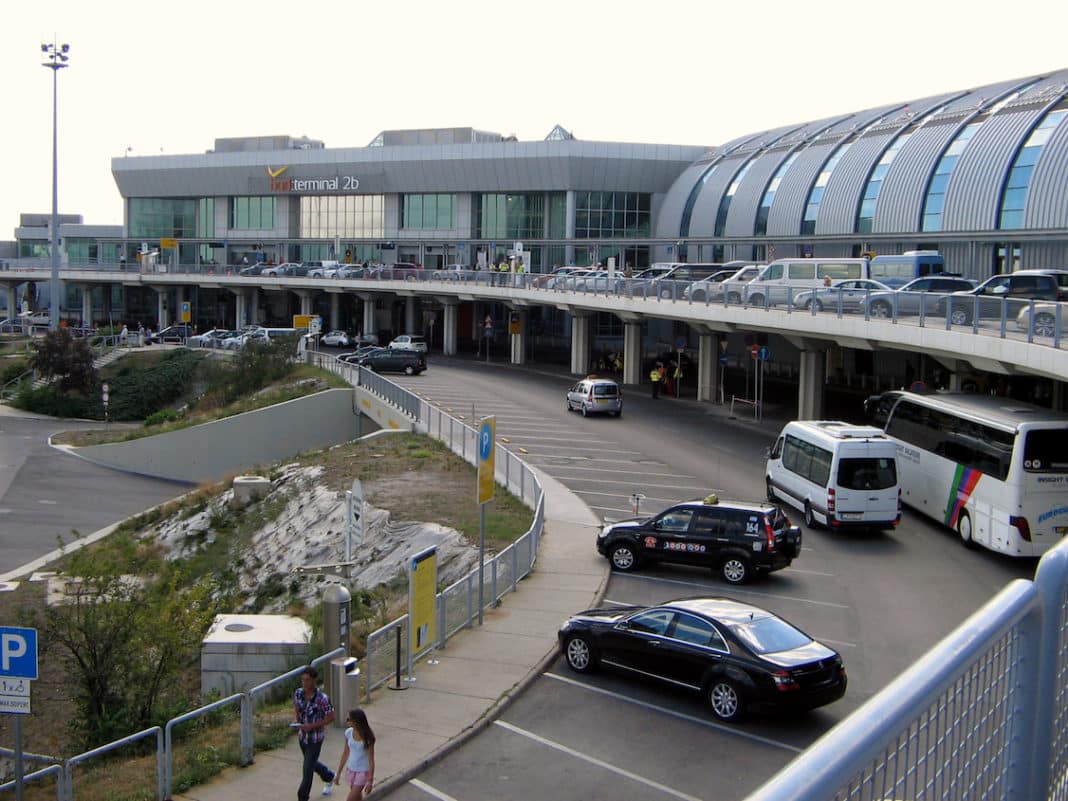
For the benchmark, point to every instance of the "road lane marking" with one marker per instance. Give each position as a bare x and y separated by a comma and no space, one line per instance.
634,472
733,590
598,762
672,713
426,788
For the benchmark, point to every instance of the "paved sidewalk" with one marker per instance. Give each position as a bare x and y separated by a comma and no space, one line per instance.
476,675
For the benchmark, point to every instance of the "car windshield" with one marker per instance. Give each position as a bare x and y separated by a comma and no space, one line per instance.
769,635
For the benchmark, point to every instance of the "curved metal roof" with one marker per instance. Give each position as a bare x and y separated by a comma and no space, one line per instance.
1009,109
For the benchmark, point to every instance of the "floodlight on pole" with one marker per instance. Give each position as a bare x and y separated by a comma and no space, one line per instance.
55,59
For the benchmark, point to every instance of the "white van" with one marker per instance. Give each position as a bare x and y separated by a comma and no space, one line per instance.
783,278
838,474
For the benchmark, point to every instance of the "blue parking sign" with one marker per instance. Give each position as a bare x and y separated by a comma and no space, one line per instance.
18,653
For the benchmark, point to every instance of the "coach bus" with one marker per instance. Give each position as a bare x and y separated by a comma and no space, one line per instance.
993,469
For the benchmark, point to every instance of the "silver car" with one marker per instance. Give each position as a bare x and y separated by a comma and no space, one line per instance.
919,291
594,395
849,294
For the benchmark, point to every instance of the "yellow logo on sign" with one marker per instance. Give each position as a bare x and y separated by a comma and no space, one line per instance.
486,445
278,172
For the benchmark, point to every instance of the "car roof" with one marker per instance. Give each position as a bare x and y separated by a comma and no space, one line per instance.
725,610
759,506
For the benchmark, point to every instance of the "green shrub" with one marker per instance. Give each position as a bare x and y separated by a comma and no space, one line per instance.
138,393
162,416
12,370
49,400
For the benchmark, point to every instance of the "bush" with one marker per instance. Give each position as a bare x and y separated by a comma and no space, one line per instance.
162,416
138,393
12,370
51,401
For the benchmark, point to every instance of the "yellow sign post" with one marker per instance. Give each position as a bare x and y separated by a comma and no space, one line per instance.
422,597
487,445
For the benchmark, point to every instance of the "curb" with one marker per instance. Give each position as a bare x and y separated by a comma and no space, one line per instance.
487,718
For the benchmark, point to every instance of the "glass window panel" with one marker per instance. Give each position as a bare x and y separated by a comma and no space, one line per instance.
939,184
935,203
932,222
1015,198
1011,219
1020,177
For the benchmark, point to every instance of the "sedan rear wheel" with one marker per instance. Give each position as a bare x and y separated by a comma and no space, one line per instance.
960,317
1044,324
585,410
814,304
881,309
726,700
409,370
623,558
580,654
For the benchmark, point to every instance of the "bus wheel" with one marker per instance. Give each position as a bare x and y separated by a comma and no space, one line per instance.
964,529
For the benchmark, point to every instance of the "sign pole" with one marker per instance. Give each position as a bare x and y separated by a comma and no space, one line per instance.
18,758
481,558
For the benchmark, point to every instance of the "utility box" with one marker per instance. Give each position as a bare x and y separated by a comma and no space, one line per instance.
241,651
337,604
344,687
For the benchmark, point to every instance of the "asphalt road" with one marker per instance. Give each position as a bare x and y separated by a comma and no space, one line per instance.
45,494
881,599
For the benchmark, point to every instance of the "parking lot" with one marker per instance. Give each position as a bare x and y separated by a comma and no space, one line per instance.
880,599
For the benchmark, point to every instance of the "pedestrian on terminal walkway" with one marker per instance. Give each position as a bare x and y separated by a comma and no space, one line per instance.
358,757
312,713
656,376
124,335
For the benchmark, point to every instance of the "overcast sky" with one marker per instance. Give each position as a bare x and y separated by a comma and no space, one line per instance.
170,78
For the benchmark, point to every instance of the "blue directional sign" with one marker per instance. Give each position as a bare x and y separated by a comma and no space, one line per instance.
18,653
764,354
723,359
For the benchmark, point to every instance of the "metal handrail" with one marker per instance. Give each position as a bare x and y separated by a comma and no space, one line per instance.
61,793
168,778
68,767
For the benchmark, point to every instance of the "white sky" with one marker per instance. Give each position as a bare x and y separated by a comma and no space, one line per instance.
170,78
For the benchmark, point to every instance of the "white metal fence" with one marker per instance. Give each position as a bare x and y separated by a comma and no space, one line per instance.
983,716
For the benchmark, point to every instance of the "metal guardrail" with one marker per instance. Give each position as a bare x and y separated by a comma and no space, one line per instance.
983,715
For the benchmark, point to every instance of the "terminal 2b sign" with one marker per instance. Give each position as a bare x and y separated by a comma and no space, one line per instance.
278,181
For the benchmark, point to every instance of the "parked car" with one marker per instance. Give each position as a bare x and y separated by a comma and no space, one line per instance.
400,271
412,342
700,291
738,656
276,270
394,361
593,395
336,339
321,269
358,354
986,300
350,271
545,281
173,333
204,340
850,295
253,269
916,294
734,286
734,538
1045,319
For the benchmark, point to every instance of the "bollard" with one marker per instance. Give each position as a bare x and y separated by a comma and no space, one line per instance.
398,685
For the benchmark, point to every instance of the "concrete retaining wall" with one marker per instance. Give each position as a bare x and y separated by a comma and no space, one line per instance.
213,450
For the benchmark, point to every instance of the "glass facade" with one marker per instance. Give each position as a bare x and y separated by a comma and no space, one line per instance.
691,201
251,213
728,196
760,227
511,216
1014,195
875,184
611,215
328,216
557,215
936,192
156,217
424,212
815,196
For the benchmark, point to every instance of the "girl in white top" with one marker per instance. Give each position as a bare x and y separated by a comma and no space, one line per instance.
358,757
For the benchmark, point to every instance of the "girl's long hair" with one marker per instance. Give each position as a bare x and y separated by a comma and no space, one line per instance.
362,727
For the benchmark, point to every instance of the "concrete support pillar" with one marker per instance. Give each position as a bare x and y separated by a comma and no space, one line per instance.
253,306
240,308
409,316
10,290
87,304
954,381
518,340
107,302
305,302
163,318
810,387
708,368
580,344
369,327
335,311
632,353
449,326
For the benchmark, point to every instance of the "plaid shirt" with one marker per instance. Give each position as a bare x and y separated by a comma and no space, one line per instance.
312,710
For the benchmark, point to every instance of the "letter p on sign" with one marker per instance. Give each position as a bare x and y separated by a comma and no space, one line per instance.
18,653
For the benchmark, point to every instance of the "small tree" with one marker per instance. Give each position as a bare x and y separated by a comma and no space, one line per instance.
60,355
126,640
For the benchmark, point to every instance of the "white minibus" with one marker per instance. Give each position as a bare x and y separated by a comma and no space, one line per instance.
994,470
838,474
780,280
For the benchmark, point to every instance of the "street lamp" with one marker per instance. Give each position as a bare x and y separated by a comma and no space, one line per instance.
55,58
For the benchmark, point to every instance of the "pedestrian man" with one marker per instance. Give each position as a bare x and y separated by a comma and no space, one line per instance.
655,377
312,713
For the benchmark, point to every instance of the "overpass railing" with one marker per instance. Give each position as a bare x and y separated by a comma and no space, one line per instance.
1040,322
983,715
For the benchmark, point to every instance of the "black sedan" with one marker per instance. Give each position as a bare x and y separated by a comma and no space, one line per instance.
739,657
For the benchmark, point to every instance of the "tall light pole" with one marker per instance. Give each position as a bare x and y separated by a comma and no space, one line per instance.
55,58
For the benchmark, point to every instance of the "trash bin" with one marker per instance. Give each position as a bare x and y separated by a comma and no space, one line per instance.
344,687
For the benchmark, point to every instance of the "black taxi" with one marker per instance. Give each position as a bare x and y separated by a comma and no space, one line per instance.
736,539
